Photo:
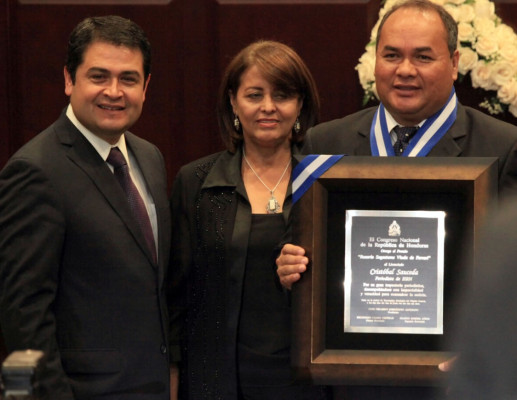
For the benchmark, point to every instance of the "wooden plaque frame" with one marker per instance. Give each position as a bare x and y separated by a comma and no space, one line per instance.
376,182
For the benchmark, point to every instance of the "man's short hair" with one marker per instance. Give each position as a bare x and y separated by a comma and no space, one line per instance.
451,27
110,29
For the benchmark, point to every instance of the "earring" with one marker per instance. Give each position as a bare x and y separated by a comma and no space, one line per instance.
297,126
236,123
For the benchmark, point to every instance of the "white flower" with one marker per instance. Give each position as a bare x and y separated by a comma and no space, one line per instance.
466,13
366,68
466,32
508,52
374,90
481,76
484,9
487,47
502,34
468,59
507,93
484,26
453,10
502,72
492,107
513,109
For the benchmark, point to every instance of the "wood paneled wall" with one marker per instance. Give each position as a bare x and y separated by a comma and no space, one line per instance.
192,41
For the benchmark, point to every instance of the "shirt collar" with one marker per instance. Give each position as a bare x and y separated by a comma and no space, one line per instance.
102,147
226,171
391,123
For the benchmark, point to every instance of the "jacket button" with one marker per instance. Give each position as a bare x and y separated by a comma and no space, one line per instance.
163,349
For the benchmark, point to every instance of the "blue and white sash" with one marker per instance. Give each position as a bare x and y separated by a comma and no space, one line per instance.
310,169
425,138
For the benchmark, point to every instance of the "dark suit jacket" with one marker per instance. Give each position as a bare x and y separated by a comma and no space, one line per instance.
77,280
473,134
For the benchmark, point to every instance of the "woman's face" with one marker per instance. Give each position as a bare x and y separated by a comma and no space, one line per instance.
267,114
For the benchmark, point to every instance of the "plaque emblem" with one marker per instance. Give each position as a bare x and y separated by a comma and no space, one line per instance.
394,229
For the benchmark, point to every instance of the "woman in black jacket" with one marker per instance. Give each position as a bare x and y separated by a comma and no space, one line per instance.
231,320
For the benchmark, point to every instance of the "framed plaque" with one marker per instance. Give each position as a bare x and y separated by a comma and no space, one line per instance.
391,241
394,271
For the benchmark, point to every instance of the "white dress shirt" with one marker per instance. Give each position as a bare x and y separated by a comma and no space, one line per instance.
104,148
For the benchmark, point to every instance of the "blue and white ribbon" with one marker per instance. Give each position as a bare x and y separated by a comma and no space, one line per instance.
310,169
424,140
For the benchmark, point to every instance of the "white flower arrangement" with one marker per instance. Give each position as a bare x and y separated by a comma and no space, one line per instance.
488,51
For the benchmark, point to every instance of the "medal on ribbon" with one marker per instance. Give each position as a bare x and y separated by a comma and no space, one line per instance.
424,140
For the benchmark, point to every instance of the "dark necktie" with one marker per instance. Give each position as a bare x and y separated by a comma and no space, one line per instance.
404,134
137,205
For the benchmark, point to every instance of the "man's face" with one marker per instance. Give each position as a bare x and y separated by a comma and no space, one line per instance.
414,72
109,89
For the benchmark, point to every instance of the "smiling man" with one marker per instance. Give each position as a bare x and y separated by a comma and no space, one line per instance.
419,116
415,69
85,230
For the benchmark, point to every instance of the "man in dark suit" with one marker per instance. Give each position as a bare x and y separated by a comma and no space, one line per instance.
416,66
415,69
85,230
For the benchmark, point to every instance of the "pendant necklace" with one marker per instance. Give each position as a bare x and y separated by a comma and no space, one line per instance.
272,206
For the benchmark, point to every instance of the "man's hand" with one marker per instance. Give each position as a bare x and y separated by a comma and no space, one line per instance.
291,263
447,365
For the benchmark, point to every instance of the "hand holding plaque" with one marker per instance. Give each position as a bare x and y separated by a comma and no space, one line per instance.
291,263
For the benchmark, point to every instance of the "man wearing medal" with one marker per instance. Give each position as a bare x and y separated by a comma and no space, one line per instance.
416,66
415,69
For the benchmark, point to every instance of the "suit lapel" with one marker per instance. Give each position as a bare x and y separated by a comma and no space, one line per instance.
362,146
446,147
82,153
